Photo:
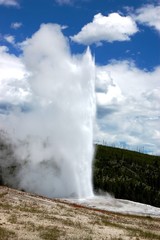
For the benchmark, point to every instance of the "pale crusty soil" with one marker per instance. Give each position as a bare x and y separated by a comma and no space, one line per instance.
27,216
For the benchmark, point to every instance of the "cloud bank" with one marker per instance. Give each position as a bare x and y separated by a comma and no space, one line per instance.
128,106
13,90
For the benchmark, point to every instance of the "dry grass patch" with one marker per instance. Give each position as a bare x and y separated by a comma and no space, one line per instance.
6,234
28,217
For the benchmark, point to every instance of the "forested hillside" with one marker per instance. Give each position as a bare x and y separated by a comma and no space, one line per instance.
127,174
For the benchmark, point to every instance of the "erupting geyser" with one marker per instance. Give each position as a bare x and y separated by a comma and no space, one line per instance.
54,137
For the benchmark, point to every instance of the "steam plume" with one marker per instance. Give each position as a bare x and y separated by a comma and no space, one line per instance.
53,138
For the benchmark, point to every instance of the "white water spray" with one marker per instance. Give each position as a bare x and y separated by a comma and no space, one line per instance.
54,140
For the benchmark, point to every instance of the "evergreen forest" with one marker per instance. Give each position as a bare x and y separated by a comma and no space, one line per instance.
127,174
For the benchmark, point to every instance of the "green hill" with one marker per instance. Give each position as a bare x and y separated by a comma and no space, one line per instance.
127,174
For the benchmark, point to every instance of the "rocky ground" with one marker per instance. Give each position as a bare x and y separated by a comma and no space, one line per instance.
27,216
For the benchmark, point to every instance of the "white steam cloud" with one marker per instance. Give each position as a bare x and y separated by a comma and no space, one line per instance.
53,138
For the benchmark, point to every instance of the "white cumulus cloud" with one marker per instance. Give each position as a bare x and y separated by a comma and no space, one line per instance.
113,27
149,15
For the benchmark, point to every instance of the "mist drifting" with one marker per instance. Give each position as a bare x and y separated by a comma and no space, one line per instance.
52,139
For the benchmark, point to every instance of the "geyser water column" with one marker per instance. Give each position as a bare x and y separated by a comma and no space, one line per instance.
55,138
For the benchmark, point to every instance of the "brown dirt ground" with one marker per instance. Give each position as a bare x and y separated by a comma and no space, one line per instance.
24,216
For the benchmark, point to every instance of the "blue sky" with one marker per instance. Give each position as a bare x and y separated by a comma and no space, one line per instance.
124,38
